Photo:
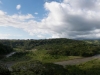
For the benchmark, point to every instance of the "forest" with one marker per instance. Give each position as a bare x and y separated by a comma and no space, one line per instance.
37,57
62,46
4,49
38,68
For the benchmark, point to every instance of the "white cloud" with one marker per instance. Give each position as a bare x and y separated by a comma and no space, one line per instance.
36,13
18,6
70,19
21,17
40,36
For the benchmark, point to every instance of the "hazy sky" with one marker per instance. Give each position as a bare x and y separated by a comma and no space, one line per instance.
38,19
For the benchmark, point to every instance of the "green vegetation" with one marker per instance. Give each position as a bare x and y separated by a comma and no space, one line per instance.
37,68
88,68
40,55
36,57
4,49
4,70
62,46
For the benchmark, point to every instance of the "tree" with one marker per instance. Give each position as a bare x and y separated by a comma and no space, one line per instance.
38,68
4,70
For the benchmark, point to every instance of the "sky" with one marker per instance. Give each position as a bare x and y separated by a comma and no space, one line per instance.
43,19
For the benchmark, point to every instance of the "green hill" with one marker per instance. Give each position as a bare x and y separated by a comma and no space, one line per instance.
4,49
49,50
61,46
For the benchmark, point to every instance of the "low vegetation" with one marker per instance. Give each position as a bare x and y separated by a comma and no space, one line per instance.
4,70
88,68
4,49
40,55
36,57
62,46
39,68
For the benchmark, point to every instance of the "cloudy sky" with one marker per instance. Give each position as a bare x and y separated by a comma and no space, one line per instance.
40,19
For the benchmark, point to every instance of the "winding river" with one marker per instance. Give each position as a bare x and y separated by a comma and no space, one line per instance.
8,55
78,61
63,63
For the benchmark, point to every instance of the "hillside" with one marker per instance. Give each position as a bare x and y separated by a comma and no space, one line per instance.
4,49
95,42
37,57
62,46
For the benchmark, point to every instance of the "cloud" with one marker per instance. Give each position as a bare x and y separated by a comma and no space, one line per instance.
77,19
74,18
18,6
36,13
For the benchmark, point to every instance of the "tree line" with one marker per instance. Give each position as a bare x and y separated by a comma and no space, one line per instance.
61,46
4,49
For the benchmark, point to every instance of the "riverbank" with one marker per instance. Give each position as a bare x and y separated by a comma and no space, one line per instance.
78,61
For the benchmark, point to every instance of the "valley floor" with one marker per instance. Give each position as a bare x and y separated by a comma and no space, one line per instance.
64,63
78,61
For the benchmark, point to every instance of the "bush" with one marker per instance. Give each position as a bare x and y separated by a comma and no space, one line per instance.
37,68
74,70
54,69
4,70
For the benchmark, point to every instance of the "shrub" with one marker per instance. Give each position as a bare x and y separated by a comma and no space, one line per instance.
37,68
4,70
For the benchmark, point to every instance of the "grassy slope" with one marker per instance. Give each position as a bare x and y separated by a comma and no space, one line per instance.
41,48
89,68
40,55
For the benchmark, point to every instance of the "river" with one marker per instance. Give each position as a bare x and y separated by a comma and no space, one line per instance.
63,63
8,55
77,61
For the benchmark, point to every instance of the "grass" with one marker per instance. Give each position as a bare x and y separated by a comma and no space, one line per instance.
89,68
90,64
40,55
